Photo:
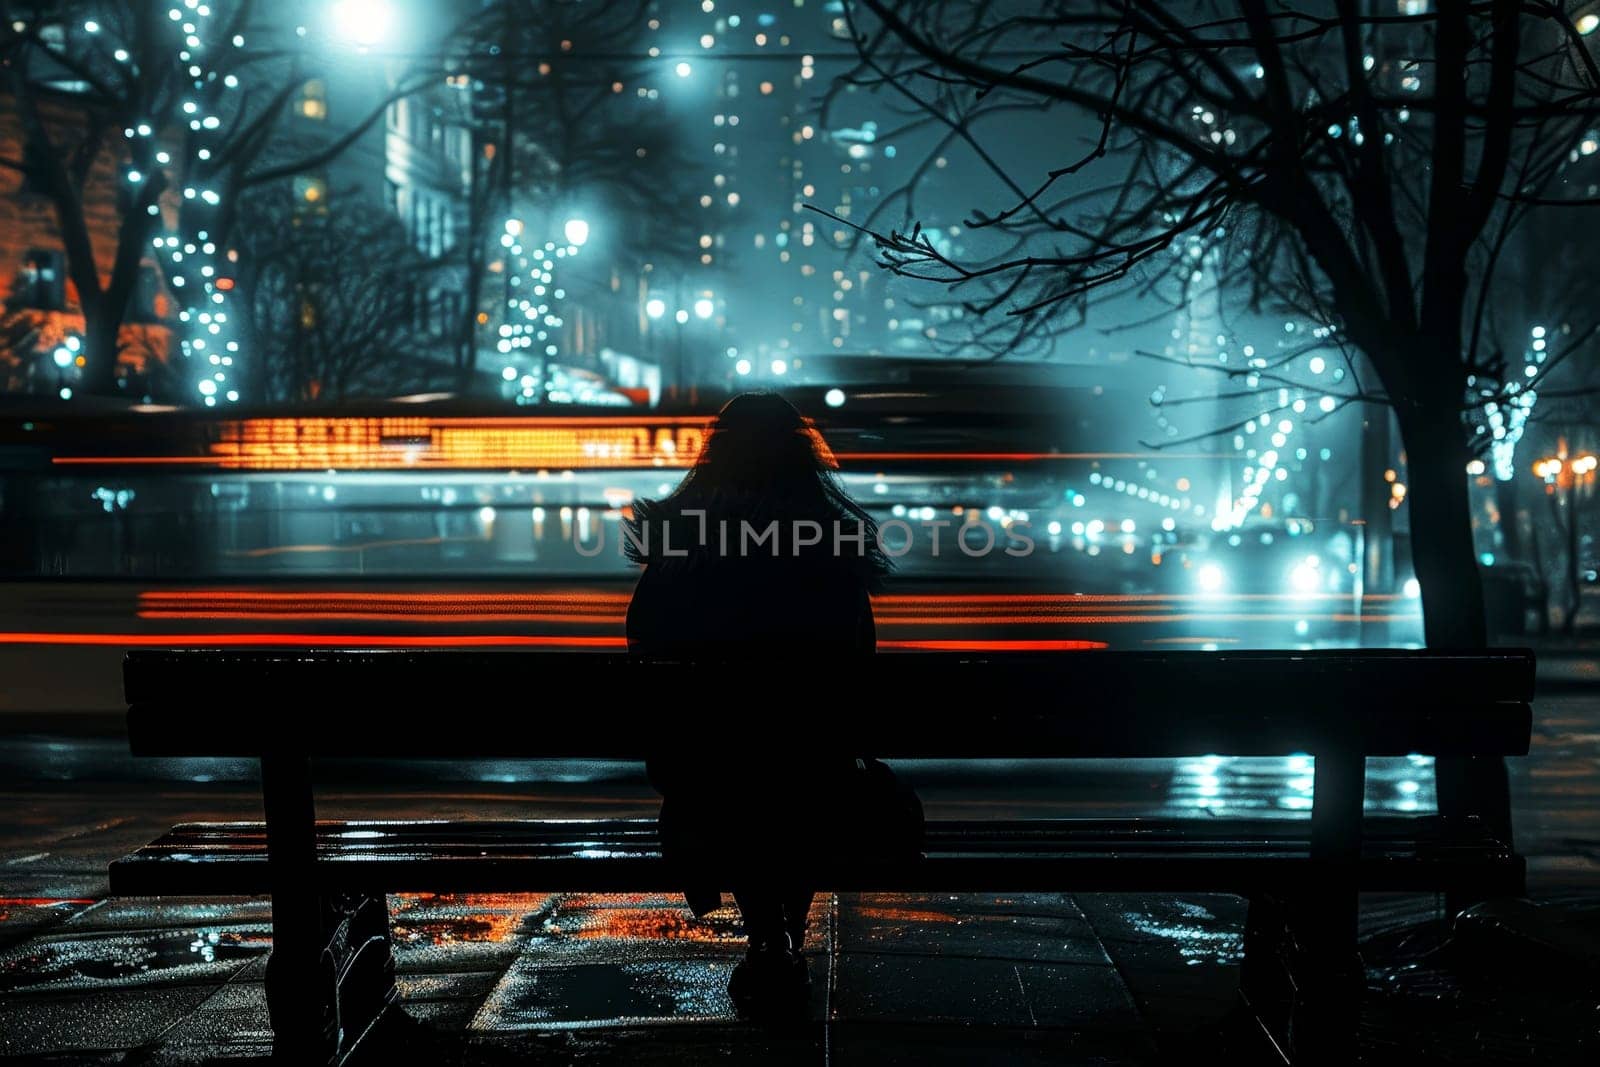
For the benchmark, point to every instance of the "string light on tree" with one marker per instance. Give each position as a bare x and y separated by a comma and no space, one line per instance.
1505,415
196,267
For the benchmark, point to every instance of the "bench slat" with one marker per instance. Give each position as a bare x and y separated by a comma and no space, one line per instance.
247,728
1329,677
1110,704
1399,853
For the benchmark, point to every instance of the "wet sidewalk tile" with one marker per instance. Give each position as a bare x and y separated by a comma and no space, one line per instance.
1029,927
92,961
453,932
1013,961
104,1020
1179,957
636,959
22,917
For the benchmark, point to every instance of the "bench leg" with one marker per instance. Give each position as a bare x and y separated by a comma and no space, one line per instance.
1302,977
1325,969
1474,787
1264,982
330,976
331,972
1328,980
301,1004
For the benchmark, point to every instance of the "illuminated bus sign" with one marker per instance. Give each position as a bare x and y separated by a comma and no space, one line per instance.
456,443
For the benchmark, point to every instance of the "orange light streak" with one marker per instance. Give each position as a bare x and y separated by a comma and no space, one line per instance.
367,598
1001,457
422,443
356,642
389,616
360,642
609,609
527,443
996,645
887,600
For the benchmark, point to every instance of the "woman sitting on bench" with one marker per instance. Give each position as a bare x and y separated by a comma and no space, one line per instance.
760,555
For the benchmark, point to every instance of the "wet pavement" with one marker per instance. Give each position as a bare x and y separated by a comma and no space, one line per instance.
924,978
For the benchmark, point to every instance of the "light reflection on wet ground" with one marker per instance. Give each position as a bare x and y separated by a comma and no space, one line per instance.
614,960
1283,786
439,919
110,960
1197,933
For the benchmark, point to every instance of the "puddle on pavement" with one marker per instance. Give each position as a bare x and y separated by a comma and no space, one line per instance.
1194,930
902,913
32,909
600,960
440,919
149,957
640,917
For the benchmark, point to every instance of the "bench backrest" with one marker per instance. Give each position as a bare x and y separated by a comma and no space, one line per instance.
453,704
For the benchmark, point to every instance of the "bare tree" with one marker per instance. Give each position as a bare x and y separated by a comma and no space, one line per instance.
561,95
334,300
1356,164
94,80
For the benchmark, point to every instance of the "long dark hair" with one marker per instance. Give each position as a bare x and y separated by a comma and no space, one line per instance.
762,461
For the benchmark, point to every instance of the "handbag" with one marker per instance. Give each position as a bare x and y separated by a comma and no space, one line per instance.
881,818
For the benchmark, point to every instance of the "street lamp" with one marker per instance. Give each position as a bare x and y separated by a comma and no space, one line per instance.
681,316
363,22
576,232
1568,473
655,307
703,308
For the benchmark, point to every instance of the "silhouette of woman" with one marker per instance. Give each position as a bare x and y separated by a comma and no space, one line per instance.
721,583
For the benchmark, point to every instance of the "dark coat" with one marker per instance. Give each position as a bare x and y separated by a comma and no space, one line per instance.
774,805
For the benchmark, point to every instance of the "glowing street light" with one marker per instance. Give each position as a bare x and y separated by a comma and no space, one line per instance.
681,316
683,69
703,308
1565,471
655,307
1306,576
363,22
576,232
1587,24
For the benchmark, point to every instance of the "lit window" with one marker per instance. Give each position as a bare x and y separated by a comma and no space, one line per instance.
311,190
313,101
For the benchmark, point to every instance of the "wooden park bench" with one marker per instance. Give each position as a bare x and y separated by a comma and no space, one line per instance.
331,973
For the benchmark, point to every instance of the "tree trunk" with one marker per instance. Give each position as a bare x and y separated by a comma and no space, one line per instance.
1441,530
1378,564
1569,624
1505,502
102,330
1452,595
